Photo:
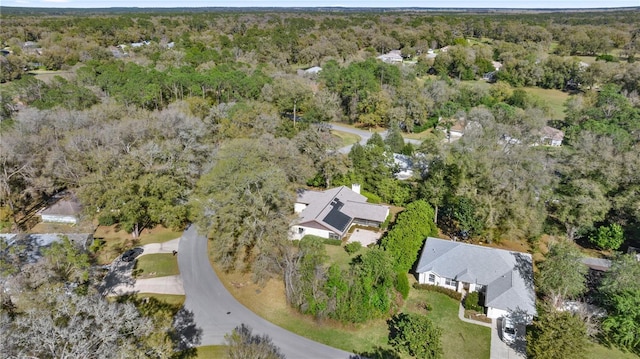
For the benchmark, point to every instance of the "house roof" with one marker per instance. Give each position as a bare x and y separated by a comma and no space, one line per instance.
552,133
313,70
68,206
334,209
507,275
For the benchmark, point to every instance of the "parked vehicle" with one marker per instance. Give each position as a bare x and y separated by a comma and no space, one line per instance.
509,331
131,254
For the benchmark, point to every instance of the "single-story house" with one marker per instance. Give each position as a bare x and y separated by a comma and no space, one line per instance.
504,278
330,213
65,210
392,57
404,164
551,136
31,245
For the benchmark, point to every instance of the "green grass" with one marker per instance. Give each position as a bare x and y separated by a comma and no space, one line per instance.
156,265
159,235
598,351
339,256
117,241
212,352
459,339
176,300
553,98
346,138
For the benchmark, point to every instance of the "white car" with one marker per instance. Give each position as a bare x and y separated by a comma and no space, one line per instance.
509,330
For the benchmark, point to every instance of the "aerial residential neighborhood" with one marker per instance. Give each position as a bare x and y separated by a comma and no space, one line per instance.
319,181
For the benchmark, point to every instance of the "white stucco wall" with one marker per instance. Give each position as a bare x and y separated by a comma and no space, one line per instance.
59,219
423,278
295,232
496,313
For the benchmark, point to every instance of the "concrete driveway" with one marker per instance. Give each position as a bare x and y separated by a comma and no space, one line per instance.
119,280
216,312
500,350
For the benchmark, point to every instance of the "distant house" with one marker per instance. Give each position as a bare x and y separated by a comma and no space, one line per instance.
140,44
404,164
505,278
392,57
551,136
65,210
330,213
31,245
445,49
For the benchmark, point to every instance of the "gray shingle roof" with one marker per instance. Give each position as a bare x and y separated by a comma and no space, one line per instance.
508,276
322,209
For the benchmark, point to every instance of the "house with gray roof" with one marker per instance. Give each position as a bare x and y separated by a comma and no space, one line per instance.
65,209
330,213
504,277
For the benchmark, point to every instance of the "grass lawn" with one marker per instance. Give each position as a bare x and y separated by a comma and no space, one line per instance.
212,352
340,257
598,351
553,98
176,300
117,241
345,137
459,339
420,136
156,265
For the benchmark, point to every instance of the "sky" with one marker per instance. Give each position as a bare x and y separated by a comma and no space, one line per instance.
538,4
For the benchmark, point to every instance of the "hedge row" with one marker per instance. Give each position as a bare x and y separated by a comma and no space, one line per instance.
434,288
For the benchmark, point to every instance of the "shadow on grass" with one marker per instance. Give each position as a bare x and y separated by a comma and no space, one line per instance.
377,353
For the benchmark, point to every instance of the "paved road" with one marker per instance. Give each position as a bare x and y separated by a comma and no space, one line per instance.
364,135
217,313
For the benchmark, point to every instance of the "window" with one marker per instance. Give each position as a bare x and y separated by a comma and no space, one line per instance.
300,230
451,282
432,278
333,236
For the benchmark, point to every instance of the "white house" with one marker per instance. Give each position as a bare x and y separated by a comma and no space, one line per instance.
330,213
392,57
504,277
65,210
551,136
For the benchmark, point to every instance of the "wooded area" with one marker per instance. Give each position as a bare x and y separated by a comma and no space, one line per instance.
209,117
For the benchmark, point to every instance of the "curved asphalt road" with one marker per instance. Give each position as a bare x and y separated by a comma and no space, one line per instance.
364,135
217,313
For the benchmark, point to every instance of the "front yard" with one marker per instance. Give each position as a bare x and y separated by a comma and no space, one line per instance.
156,265
459,339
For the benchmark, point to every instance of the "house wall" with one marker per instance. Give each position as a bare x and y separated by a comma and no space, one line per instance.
295,232
423,278
48,218
496,313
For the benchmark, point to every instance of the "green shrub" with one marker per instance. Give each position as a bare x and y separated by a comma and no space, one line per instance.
329,241
107,219
472,302
332,242
371,198
97,244
352,247
434,288
402,284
